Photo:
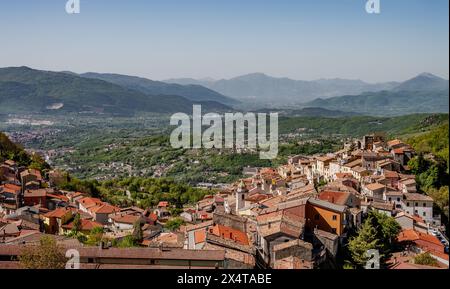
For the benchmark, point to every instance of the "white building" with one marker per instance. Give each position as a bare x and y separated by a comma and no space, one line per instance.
418,204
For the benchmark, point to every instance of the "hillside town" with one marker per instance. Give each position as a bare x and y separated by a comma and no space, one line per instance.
297,216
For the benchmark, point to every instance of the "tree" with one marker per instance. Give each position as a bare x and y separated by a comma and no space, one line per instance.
418,164
387,230
440,198
425,259
127,242
378,232
174,224
364,241
138,235
47,255
76,224
95,236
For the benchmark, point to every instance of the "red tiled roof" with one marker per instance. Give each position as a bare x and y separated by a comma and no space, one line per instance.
412,235
256,198
10,188
199,236
394,142
88,202
60,197
86,225
104,209
58,213
36,193
398,151
374,186
343,175
126,219
230,234
390,174
339,198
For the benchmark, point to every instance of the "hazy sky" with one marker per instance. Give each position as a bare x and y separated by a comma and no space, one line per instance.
159,39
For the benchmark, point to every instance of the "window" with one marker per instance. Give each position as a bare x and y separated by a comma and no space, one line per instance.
416,212
243,196
390,199
407,204
417,204
424,204
334,217
398,199
424,214
90,260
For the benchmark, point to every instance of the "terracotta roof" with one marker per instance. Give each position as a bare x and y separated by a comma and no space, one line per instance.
339,198
229,233
104,209
374,186
398,151
199,236
412,235
280,222
383,206
126,219
325,159
393,193
60,197
58,213
359,169
354,163
168,238
36,193
88,202
10,188
86,225
394,142
257,198
390,174
417,197
343,175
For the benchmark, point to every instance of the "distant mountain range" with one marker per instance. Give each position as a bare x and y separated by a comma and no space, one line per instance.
421,94
23,89
267,89
192,92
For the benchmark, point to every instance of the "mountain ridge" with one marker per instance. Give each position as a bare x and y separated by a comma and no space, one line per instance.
23,89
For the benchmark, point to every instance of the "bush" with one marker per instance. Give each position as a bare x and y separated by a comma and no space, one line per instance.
425,259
